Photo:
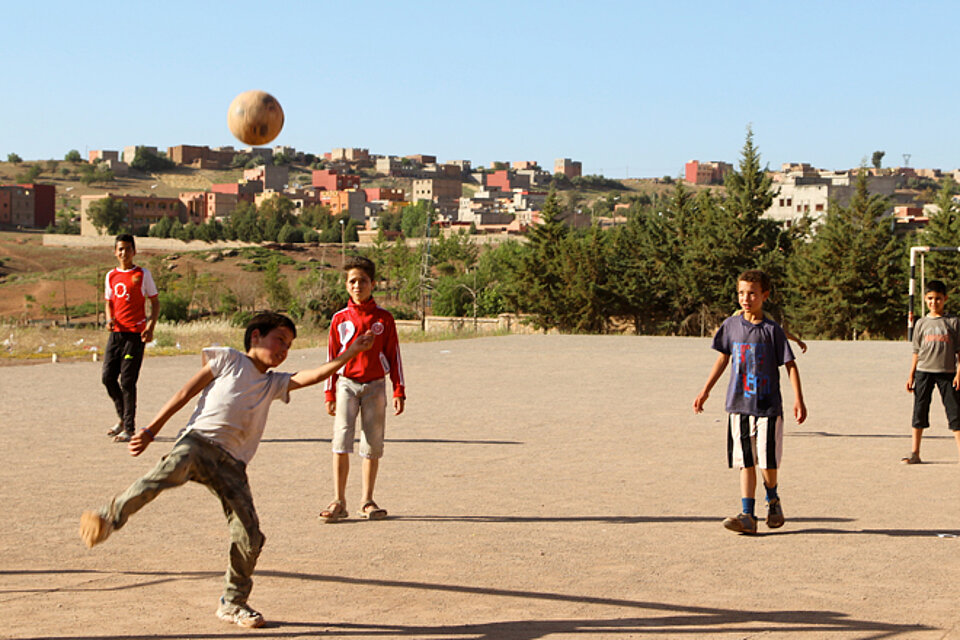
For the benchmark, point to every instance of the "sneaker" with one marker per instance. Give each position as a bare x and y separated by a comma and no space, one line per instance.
775,517
743,523
239,614
94,528
115,430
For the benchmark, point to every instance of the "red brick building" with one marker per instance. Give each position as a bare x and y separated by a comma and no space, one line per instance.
333,180
696,172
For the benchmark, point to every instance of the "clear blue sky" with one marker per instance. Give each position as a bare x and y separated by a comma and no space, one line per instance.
627,87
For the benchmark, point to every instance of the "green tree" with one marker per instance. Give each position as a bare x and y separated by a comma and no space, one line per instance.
276,287
943,230
848,280
416,218
108,214
542,278
146,160
877,159
14,158
73,156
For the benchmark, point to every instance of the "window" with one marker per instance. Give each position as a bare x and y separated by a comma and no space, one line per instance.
819,207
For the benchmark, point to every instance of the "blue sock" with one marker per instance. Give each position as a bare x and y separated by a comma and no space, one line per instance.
748,505
771,492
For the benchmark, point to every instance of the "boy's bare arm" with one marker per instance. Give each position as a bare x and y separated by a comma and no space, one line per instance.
799,407
715,373
913,372
195,385
147,334
313,376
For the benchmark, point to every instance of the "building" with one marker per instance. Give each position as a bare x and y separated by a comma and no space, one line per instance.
101,154
353,201
28,205
381,193
507,180
567,167
802,192
422,159
350,155
142,211
696,172
130,153
271,176
444,192
244,191
202,206
525,164
333,180
17,204
200,157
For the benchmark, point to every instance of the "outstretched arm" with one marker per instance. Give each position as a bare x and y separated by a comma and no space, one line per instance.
139,442
324,371
715,373
799,407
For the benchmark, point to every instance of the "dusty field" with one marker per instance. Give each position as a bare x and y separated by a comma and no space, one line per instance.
539,487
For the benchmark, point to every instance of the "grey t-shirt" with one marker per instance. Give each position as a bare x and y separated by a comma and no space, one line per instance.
232,410
756,352
936,342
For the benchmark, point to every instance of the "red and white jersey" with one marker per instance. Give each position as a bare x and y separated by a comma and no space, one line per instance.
126,292
382,359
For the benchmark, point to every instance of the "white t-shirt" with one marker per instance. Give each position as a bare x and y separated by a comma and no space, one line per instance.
232,410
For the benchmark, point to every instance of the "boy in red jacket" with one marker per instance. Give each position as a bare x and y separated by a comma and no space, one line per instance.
362,388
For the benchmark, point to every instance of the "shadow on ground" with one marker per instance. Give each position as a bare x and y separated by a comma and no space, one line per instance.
676,620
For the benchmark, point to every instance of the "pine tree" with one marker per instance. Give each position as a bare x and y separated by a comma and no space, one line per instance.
848,280
943,230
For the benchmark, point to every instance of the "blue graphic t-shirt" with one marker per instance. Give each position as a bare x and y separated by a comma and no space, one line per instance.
756,353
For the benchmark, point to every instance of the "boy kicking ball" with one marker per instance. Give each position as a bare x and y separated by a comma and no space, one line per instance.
220,438
755,425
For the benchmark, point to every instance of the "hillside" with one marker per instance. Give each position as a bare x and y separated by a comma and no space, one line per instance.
36,282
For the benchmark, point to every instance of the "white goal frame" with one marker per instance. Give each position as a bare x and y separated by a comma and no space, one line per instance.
914,252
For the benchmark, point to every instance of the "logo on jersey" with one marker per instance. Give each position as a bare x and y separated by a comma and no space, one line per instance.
377,328
120,291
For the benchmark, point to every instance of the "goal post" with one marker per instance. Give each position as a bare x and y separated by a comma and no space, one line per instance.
921,252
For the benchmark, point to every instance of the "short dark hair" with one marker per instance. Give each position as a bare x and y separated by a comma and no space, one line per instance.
364,264
265,322
125,237
755,275
937,286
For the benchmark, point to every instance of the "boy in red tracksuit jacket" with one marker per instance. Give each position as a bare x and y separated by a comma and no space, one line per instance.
359,388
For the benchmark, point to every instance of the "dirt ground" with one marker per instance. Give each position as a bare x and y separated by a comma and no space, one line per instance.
538,486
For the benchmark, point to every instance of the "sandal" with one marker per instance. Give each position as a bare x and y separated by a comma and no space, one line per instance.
913,458
334,511
370,511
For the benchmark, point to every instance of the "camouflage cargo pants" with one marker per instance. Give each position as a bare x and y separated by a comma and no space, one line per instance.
195,458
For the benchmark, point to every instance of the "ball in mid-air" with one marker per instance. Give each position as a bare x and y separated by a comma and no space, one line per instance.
255,117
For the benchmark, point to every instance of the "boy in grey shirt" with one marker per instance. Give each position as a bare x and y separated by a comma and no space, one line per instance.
936,341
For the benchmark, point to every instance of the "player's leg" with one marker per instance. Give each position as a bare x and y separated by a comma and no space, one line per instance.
742,454
373,416
951,405
110,371
769,454
226,477
129,374
923,385
344,431
172,470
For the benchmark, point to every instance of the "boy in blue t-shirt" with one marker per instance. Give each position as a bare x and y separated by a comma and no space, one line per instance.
755,426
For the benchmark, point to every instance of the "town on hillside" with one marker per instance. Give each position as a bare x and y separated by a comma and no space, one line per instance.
505,198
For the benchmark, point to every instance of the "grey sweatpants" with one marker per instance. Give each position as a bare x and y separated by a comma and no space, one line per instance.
197,459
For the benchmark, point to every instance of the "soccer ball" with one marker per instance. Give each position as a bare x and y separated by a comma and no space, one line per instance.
255,117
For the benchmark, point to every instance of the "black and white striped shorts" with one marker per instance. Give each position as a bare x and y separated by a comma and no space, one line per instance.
754,441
